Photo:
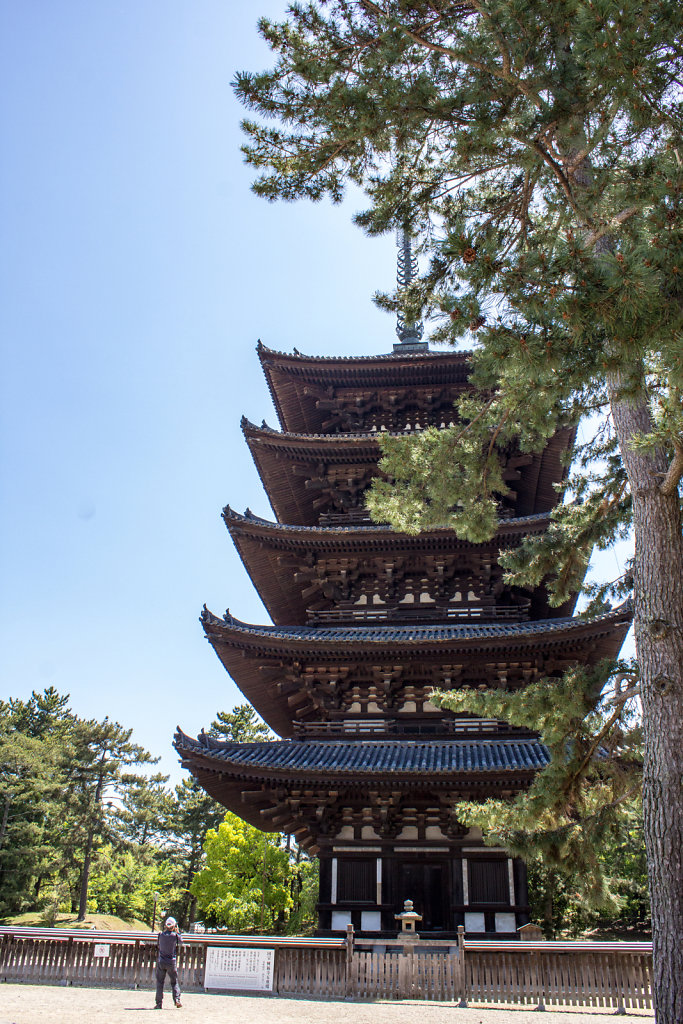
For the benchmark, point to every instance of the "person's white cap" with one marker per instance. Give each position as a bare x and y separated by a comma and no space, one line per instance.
170,922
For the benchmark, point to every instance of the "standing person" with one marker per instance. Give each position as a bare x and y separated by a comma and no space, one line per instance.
168,943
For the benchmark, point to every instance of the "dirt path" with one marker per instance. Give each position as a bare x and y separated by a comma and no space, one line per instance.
38,1004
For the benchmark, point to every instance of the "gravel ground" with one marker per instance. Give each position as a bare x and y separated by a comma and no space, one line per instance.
38,1004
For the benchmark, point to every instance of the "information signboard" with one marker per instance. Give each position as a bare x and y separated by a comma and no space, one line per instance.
229,967
101,949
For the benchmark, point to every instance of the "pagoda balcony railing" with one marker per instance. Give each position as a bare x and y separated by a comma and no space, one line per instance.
420,612
390,727
359,516
352,517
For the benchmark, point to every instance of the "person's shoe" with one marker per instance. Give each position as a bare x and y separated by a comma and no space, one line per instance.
158,1006
178,1003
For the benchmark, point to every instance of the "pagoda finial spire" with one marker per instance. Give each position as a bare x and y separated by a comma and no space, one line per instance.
409,332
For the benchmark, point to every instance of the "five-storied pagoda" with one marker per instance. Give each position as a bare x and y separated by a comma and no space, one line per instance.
367,622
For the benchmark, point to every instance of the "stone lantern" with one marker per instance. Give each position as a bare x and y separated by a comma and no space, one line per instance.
408,919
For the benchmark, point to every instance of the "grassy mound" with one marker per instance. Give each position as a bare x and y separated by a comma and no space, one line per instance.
100,922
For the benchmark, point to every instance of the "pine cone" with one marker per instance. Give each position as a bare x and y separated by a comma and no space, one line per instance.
469,255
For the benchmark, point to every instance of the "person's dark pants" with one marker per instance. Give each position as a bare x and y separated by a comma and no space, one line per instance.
162,971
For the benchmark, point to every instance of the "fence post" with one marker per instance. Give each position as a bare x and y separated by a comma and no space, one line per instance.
68,957
4,946
405,972
201,974
538,959
349,962
461,967
136,965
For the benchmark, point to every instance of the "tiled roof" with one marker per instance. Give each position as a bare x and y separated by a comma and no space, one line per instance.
512,523
400,634
292,437
400,756
265,352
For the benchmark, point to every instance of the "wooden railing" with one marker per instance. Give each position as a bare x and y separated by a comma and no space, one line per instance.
420,614
615,974
390,727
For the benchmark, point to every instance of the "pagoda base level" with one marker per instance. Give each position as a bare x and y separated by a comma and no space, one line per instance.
474,887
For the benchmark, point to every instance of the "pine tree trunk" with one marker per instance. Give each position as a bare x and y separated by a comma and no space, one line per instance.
87,856
192,911
85,876
5,818
549,905
658,623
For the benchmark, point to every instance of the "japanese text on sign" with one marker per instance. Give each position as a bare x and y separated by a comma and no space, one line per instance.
236,968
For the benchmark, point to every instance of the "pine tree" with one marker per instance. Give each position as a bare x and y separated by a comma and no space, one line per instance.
31,786
194,813
146,806
575,806
98,754
540,147
241,725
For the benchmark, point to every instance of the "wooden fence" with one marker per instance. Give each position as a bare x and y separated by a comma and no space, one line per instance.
608,974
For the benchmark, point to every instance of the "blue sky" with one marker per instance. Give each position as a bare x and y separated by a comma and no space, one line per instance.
138,272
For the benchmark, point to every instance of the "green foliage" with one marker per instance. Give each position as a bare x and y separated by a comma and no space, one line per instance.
245,885
555,902
145,809
538,147
241,725
194,813
97,755
81,828
304,887
31,782
123,882
576,805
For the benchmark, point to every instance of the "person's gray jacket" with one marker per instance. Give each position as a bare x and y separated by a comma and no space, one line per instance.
168,943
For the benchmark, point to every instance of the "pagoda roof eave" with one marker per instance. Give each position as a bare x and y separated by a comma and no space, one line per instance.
275,453
364,534
300,359
334,640
446,760
258,658
267,547
284,371
293,438
250,779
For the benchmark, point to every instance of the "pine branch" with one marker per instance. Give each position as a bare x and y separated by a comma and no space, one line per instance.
595,744
669,484
559,174
447,51
606,229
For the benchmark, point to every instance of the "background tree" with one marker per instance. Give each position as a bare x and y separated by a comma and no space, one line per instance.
562,910
241,725
194,813
245,884
79,830
123,882
143,815
304,888
97,755
31,780
542,143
